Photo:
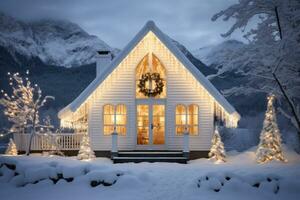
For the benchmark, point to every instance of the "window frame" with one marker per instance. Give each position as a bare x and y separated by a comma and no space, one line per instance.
186,125
188,115
114,114
179,125
125,115
164,76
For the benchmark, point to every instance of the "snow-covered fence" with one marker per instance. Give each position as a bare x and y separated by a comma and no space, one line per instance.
65,141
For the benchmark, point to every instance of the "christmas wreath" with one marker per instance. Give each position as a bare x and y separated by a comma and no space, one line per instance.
159,85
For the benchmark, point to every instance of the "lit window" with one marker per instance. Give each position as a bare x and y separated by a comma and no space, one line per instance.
186,117
180,119
108,119
193,119
121,119
114,116
150,63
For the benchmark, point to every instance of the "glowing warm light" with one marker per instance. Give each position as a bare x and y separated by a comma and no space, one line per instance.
217,150
269,147
183,119
119,119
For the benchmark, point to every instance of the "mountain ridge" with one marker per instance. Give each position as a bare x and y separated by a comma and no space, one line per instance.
55,42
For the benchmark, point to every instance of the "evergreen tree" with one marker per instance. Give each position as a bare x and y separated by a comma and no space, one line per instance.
270,141
85,151
217,150
12,148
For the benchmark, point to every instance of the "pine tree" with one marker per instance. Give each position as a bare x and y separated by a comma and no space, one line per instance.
12,148
85,151
270,140
217,150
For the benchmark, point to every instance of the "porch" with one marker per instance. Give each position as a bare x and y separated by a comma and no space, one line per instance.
43,142
70,143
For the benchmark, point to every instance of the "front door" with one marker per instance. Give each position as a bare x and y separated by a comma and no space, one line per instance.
150,124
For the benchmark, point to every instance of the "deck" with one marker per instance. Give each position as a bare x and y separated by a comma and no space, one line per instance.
43,142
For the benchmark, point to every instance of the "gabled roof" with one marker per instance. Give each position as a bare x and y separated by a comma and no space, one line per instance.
150,26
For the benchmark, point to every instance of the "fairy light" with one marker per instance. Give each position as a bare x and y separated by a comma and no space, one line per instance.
12,148
217,150
22,104
270,140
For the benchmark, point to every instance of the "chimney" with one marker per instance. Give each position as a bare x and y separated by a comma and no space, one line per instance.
103,60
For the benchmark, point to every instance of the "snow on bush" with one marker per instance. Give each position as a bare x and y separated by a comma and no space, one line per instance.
238,178
106,178
33,175
59,171
6,174
219,181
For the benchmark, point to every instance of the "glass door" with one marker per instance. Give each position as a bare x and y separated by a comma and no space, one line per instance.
142,124
150,124
158,124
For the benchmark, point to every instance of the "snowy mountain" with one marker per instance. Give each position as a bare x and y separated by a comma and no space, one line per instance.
206,70
220,54
55,42
45,46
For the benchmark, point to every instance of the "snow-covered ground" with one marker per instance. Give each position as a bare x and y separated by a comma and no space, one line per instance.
38,177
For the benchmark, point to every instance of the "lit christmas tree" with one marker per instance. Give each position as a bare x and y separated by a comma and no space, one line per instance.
11,149
217,150
270,141
85,151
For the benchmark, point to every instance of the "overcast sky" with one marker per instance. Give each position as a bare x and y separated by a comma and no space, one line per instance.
117,21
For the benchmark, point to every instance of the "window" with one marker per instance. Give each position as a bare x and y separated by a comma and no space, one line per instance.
186,117
121,119
193,119
150,63
114,116
180,119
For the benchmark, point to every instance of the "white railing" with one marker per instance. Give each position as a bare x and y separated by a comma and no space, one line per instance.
65,141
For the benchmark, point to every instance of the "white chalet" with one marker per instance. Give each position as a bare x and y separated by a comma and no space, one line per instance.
151,97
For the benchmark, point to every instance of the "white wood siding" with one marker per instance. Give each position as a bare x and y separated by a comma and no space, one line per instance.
119,87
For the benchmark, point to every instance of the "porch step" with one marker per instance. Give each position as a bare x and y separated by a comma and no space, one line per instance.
149,156
149,159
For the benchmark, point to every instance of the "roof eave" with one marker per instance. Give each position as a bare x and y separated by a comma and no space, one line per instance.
150,26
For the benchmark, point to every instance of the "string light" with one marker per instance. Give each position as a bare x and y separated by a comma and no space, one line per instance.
217,150
21,107
270,140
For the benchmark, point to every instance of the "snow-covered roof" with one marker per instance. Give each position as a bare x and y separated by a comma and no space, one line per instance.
150,26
